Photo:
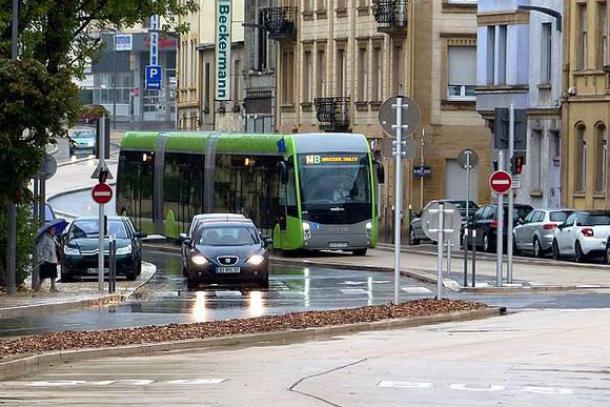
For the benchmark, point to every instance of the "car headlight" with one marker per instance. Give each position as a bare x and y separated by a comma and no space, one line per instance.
124,250
199,260
369,229
71,251
256,260
306,231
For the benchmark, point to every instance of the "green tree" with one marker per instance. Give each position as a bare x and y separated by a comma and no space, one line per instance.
39,101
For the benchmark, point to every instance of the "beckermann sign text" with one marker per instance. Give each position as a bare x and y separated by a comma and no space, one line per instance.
223,49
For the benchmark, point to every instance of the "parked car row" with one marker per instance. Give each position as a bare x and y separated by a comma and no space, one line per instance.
562,232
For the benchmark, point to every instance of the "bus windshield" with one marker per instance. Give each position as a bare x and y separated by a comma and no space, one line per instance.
334,179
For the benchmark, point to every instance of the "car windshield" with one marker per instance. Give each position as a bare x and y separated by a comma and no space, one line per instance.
90,228
83,134
559,216
598,219
228,236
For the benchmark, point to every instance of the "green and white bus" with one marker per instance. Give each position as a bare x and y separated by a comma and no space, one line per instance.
306,191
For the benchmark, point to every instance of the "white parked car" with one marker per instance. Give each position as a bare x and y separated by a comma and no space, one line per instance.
583,234
535,233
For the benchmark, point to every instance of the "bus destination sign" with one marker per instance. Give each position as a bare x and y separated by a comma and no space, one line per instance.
320,159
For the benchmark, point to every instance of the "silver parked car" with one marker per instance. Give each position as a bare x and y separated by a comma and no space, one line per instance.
583,234
534,234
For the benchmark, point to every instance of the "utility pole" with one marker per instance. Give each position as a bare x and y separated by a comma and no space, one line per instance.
509,231
114,92
11,252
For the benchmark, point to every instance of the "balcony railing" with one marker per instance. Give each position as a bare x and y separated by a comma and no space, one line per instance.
391,15
280,22
333,113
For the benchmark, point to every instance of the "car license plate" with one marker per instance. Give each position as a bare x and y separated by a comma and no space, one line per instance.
95,271
336,245
227,270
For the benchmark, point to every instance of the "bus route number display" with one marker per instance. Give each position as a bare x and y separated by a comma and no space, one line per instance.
318,159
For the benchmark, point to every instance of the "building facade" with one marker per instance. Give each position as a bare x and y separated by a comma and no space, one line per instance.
586,104
519,62
117,79
199,107
348,56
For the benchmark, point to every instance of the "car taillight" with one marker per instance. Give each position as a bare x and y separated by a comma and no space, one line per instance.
549,226
588,232
493,224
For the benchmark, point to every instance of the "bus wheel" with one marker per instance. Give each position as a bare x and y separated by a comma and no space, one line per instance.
360,252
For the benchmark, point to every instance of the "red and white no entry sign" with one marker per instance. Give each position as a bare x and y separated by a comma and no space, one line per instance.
500,182
101,193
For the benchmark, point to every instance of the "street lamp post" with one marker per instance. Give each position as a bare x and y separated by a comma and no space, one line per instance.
114,90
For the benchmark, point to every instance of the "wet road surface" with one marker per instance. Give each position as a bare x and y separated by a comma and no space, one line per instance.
165,299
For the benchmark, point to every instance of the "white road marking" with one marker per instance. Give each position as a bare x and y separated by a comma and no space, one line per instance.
461,386
547,390
416,290
408,385
228,294
129,382
347,282
353,291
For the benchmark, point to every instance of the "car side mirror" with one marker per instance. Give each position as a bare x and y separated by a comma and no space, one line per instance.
520,221
268,242
561,226
577,223
187,242
140,235
182,237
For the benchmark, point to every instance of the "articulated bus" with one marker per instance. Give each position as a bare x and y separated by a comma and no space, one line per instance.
306,191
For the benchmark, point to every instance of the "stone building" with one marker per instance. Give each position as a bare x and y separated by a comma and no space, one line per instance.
345,57
586,105
198,73
519,62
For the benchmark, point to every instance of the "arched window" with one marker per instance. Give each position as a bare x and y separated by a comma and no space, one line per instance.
601,157
581,158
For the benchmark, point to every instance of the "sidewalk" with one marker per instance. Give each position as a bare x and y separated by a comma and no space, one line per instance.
70,296
424,267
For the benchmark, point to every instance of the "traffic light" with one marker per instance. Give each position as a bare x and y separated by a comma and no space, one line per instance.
518,163
501,128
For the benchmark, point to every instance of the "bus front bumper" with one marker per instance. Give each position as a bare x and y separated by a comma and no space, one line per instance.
339,237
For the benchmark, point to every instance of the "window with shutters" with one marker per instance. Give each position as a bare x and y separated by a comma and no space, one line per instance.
462,69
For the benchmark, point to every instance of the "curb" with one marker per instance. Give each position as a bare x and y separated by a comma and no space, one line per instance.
33,364
487,257
45,308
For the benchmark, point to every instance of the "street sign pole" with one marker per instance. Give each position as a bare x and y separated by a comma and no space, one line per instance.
101,226
440,244
511,152
398,197
467,237
500,229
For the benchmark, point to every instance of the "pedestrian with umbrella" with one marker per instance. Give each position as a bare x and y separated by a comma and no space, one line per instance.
47,250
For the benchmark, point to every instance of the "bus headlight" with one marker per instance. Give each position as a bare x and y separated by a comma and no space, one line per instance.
306,231
369,230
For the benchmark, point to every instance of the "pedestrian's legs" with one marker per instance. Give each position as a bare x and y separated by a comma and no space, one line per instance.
53,287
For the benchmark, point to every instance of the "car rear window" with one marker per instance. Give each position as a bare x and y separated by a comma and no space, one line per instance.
598,219
559,216
228,236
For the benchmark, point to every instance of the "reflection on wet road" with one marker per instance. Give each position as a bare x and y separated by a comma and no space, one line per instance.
165,299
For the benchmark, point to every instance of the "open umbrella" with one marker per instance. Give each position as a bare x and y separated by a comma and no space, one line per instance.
58,224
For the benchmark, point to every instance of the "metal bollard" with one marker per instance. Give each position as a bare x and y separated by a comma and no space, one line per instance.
112,267
474,258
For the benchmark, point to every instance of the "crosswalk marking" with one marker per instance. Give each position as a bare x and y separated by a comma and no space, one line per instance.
416,290
228,294
353,291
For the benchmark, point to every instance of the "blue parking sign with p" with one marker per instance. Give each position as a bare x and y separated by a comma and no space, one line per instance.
154,76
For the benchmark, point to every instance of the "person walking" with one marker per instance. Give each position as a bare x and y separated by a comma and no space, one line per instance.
47,257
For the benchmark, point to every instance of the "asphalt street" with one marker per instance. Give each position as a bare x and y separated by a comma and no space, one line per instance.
165,299
536,358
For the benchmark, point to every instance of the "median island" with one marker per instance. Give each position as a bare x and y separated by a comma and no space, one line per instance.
74,340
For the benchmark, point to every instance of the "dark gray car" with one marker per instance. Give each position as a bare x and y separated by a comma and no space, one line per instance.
416,233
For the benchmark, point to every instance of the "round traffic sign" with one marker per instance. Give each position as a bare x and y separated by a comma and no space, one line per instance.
500,182
411,115
101,193
48,168
468,158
